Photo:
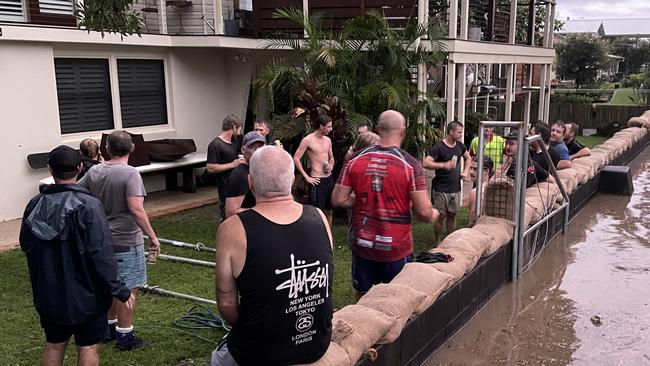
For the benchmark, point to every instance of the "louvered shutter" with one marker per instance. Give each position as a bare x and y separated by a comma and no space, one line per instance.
12,10
62,7
142,92
84,93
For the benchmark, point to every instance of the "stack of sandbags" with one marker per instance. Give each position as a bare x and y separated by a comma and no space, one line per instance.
500,231
424,278
334,356
499,198
597,160
357,328
629,133
621,143
467,239
398,302
590,166
464,261
535,208
609,151
569,179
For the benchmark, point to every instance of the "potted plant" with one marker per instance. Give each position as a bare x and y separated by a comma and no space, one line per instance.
231,21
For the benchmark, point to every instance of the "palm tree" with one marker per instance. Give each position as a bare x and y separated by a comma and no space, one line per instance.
352,75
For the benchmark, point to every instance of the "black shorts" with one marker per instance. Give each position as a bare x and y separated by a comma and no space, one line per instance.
85,334
321,195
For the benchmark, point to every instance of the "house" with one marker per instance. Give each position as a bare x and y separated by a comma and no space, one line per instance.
194,65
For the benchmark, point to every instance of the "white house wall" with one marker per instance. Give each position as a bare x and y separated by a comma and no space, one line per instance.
203,85
29,118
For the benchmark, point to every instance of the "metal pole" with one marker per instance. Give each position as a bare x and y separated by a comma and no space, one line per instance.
174,258
479,172
198,246
159,291
522,165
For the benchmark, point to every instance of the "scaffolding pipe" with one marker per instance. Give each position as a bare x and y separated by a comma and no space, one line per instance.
174,258
159,291
198,246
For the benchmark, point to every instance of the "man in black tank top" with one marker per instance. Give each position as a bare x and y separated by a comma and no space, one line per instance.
274,273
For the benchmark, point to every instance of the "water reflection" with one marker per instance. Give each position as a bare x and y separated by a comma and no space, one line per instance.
601,267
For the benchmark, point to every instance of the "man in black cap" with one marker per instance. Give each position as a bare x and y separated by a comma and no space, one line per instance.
69,248
534,172
238,194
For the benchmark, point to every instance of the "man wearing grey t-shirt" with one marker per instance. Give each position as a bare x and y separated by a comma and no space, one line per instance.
121,191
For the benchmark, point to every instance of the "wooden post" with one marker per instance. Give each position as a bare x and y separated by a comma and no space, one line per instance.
464,18
162,16
218,17
451,90
509,92
453,19
512,35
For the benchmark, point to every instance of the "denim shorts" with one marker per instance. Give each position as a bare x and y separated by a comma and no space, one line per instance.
131,265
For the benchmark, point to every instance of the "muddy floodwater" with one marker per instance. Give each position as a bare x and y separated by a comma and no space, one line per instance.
586,301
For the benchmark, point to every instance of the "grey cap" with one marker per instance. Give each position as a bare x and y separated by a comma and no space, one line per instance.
253,137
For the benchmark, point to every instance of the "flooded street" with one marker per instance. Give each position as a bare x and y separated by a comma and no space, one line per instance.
585,302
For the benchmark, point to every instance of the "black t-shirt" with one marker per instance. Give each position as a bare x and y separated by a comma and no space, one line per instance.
574,146
539,159
238,186
220,152
535,173
447,181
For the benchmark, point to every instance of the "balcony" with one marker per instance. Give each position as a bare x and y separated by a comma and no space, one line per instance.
492,21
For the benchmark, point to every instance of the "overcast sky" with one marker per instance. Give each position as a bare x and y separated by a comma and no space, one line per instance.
598,9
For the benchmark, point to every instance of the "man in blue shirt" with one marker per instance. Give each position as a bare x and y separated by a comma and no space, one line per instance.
557,143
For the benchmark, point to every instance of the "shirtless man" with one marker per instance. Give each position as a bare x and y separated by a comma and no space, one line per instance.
319,152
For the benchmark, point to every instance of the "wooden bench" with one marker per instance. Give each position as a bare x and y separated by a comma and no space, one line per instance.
184,165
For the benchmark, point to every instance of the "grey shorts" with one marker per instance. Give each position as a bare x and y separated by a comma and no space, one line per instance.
446,203
222,357
131,265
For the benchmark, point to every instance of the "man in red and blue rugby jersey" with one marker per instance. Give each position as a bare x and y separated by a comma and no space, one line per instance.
380,184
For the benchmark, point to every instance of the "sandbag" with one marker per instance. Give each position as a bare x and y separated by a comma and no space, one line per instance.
637,122
356,328
399,302
621,143
585,164
600,154
424,278
467,239
597,160
499,198
334,356
568,178
498,229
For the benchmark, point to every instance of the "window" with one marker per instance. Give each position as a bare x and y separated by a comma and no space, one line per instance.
12,10
61,7
84,94
142,92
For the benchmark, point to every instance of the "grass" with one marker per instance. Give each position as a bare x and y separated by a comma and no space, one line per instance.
592,141
624,97
23,338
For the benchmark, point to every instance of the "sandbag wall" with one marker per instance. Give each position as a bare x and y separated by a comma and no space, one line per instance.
380,316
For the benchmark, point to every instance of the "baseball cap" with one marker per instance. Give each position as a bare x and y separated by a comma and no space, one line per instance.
512,136
64,159
253,137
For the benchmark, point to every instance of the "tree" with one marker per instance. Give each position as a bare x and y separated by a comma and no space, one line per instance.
352,75
580,58
635,51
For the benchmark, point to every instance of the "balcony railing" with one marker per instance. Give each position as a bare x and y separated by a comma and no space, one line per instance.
480,20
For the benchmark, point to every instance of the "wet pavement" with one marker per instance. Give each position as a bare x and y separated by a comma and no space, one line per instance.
586,301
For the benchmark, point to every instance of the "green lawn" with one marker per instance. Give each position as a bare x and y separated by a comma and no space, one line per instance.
625,97
591,141
23,339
